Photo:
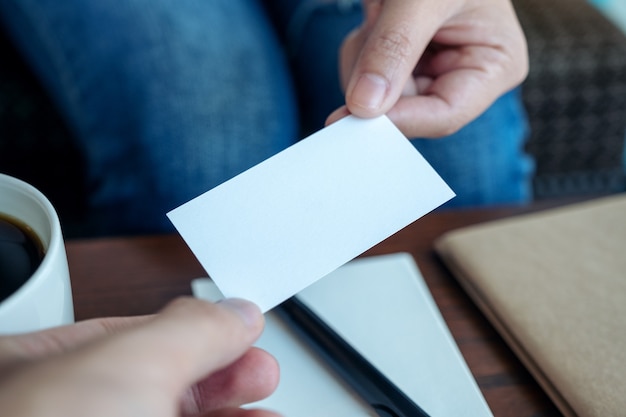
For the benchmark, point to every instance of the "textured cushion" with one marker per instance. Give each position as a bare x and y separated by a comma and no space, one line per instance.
575,95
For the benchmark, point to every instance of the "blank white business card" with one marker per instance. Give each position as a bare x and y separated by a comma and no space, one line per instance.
283,224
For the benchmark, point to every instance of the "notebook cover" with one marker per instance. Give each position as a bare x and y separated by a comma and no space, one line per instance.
553,283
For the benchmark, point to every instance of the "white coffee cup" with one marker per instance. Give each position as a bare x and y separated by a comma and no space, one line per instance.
45,299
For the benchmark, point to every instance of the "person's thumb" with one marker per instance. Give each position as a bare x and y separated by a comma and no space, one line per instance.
187,341
388,56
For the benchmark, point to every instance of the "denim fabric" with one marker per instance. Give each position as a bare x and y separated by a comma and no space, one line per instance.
170,98
167,98
485,162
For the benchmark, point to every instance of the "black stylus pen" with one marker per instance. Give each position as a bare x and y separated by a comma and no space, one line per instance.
367,381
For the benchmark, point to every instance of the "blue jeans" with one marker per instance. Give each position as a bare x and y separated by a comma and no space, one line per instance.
168,99
485,162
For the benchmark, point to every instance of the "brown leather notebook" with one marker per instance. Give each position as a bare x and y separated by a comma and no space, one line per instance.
553,283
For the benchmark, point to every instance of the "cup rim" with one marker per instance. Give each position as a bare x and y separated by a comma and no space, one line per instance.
53,245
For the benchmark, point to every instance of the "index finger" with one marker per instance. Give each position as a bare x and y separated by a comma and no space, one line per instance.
395,42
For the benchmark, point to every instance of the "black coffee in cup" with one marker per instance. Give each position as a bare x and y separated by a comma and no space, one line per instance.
21,253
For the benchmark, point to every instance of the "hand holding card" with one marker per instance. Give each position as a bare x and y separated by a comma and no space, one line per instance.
278,227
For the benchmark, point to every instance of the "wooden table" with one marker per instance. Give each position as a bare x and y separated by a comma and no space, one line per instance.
129,276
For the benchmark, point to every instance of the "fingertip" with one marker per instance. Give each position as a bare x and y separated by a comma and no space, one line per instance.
337,115
249,312
241,320
267,372
251,378
367,95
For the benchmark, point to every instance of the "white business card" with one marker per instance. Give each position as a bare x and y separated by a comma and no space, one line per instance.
276,228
